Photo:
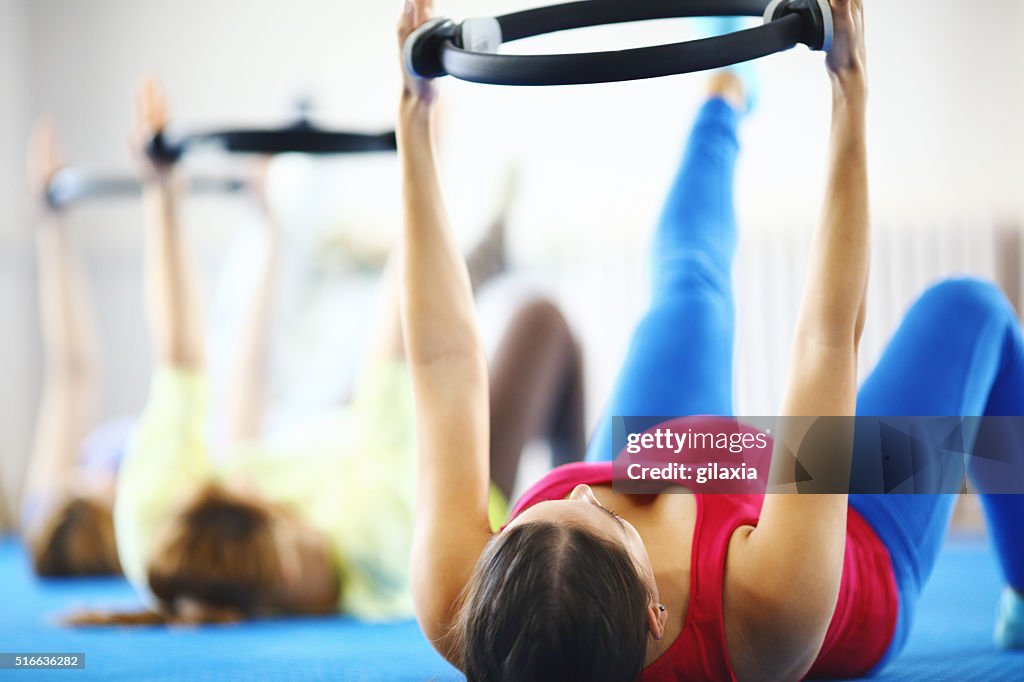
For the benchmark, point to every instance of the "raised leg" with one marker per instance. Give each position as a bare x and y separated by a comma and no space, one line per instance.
680,360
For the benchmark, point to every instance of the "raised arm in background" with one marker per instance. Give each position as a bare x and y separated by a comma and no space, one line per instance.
448,365
247,383
172,304
799,543
167,457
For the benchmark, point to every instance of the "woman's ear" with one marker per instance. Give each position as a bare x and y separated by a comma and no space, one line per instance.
657,616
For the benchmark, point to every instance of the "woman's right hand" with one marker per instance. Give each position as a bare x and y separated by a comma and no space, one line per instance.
150,119
847,59
417,93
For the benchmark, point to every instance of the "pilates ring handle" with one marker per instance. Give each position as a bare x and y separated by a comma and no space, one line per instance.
468,50
301,137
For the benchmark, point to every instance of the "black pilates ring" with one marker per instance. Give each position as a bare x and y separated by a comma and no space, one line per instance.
299,138
468,50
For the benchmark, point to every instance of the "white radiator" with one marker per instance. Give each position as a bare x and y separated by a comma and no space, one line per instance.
604,292
906,258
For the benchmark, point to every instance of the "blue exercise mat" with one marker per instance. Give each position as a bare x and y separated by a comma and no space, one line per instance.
331,648
952,636
952,639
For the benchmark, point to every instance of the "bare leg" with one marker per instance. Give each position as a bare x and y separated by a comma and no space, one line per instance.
536,381
69,396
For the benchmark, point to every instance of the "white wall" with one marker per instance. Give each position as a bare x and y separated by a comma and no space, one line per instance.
945,104
946,138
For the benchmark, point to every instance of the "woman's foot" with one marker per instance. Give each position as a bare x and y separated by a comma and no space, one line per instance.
746,72
1010,620
729,87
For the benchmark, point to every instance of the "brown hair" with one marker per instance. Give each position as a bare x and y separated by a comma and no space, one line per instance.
216,562
553,602
78,539
218,552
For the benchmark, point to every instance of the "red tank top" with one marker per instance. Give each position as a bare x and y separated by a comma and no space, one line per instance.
864,619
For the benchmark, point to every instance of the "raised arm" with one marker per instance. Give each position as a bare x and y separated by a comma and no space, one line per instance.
833,308
386,342
783,579
67,405
172,303
247,383
167,457
448,367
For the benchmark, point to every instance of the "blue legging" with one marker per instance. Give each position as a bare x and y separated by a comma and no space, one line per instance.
959,351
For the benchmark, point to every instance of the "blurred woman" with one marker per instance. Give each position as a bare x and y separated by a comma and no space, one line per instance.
67,510
67,515
319,522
